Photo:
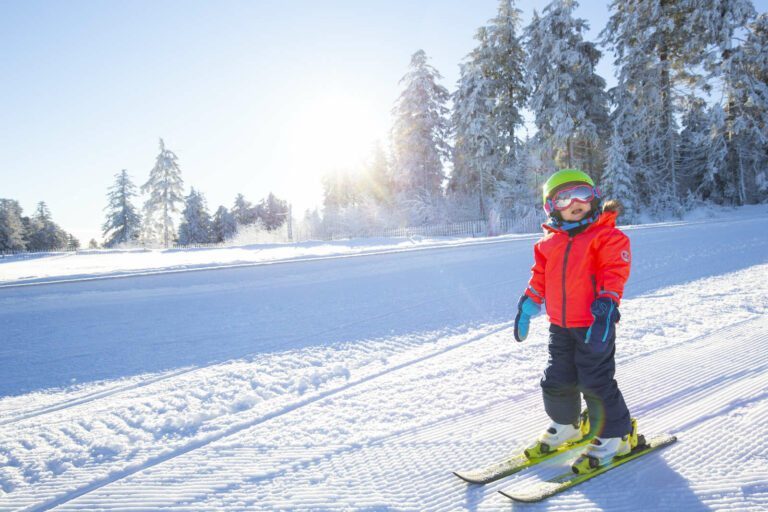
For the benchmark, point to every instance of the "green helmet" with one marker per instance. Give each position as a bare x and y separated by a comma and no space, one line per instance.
563,177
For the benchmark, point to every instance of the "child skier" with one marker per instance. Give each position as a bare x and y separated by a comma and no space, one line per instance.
581,265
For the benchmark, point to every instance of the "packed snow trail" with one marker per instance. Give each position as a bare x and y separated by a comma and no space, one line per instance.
389,442
401,369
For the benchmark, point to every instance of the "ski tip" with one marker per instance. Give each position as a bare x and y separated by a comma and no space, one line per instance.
465,478
521,498
506,495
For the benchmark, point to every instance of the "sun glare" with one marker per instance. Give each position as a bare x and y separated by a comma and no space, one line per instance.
340,132
327,133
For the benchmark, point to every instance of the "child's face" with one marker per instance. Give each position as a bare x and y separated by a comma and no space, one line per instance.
575,212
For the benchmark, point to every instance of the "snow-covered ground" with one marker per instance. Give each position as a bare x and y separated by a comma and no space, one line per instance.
358,376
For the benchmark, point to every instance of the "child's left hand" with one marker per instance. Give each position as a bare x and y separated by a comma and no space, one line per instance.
605,313
526,308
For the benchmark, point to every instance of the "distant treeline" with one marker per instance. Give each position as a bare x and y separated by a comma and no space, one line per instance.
125,225
36,233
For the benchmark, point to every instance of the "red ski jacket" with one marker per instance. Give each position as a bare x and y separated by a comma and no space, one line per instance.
570,272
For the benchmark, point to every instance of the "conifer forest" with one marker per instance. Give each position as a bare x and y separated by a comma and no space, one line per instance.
686,124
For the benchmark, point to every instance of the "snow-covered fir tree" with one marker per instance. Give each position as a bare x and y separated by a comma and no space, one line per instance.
712,184
504,65
43,234
487,118
311,224
617,177
123,223
477,156
694,144
568,98
745,102
378,176
338,192
73,243
12,235
224,225
659,47
420,135
755,62
165,189
195,227
244,212
274,212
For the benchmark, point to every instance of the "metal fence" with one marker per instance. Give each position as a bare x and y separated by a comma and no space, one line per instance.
475,228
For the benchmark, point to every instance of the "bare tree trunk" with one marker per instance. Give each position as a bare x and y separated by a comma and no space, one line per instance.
482,194
742,187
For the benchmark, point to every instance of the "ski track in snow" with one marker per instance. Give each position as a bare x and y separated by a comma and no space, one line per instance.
379,423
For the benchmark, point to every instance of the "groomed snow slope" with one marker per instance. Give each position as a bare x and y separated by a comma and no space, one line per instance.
361,383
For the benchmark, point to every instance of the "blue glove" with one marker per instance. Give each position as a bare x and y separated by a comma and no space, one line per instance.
605,313
526,308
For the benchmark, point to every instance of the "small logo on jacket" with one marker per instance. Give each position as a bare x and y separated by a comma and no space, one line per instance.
625,256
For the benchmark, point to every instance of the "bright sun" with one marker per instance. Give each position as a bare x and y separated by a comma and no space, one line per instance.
323,133
340,132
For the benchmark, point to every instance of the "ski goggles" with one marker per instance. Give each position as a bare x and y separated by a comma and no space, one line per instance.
565,198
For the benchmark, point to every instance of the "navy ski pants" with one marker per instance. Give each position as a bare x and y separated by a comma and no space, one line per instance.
572,370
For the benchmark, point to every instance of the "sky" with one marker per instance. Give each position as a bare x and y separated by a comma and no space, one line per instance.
253,96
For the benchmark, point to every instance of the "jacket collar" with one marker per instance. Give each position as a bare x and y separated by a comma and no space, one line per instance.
607,219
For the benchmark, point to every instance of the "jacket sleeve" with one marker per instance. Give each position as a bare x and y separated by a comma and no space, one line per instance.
614,259
535,288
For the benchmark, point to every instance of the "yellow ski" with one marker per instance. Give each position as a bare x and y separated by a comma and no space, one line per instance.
511,466
543,490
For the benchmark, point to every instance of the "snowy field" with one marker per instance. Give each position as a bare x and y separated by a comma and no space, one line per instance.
357,376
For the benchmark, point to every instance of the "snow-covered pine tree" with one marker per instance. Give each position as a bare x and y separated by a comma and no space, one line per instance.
714,183
487,118
420,135
659,45
274,212
505,68
476,156
123,223
244,212
311,226
224,225
645,104
617,178
694,144
568,98
73,243
745,87
755,61
11,226
43,233
165,189
195,227
149,233
378,173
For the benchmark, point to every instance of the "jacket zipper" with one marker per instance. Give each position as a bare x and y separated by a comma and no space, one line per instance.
565,265
594,286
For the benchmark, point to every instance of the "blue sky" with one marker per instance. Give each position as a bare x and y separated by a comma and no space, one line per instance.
253,96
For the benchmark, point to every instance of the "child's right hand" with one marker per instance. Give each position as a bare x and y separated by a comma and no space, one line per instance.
526,308
603,329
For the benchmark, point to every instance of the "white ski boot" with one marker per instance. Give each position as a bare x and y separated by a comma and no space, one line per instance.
603,449
557,435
